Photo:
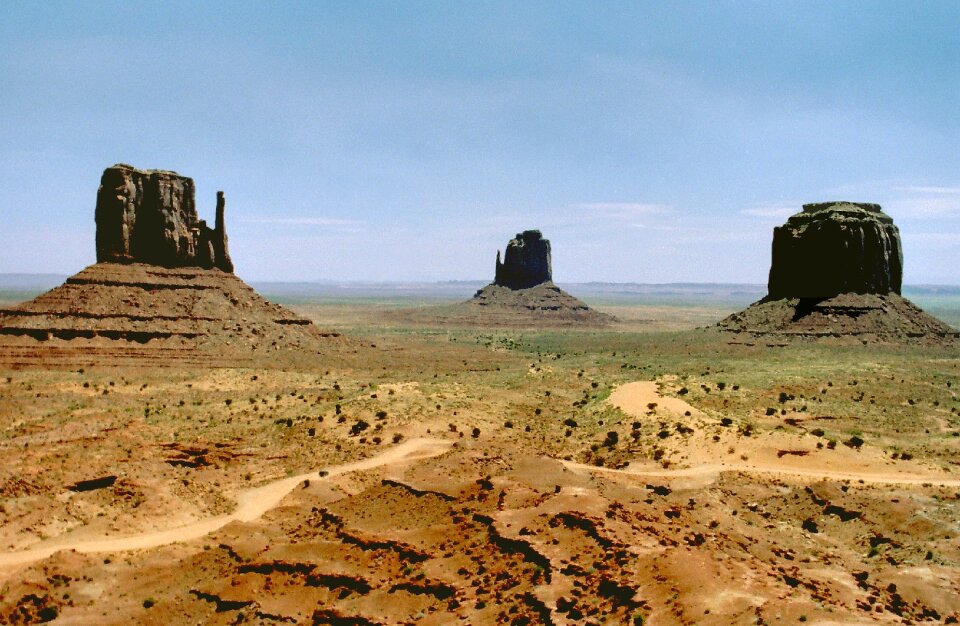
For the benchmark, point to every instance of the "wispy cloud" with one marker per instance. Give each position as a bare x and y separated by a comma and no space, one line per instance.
936,238
906,201
660,227
925,208
923,202
624,208
302,221
777,211
939,191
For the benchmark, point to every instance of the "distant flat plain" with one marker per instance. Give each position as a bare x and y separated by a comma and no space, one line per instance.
654,307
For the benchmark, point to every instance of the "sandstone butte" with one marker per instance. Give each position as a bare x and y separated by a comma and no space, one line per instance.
523,291
162,291
150,216
836,271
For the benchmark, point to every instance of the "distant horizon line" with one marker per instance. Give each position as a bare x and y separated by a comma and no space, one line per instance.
6,278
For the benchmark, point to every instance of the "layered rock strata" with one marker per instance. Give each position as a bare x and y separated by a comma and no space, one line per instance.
153,315
150,216
865,316
162,292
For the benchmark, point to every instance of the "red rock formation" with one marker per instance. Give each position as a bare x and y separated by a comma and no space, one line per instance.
150,216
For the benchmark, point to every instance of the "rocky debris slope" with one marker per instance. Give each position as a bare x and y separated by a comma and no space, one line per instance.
153,314
868,316
836,271
545,300
150,216
831,248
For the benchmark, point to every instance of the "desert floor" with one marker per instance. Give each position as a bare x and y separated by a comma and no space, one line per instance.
649,473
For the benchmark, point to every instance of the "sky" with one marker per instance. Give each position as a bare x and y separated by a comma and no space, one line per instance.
651,142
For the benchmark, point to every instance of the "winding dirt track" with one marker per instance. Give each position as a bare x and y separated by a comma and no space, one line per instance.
715,469
251,504
635,399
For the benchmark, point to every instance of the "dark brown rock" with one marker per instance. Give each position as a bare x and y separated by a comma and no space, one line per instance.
150,216
162,292
836,272
831,248
526,262
221,251
523,293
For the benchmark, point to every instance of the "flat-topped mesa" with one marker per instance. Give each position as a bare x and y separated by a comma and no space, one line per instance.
831,248
150,216
526,262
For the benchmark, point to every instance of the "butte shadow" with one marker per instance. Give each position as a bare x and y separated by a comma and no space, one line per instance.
836,271
162,291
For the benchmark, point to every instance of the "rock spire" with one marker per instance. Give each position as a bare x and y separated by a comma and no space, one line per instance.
150,216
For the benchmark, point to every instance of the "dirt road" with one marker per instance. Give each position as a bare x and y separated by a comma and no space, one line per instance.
715,469
251,504
636,398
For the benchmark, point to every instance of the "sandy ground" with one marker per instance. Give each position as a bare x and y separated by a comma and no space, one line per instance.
488,477
251,504
638,398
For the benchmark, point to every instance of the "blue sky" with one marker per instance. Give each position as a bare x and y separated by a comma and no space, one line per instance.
649,141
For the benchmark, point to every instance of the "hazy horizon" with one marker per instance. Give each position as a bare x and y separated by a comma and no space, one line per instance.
651,143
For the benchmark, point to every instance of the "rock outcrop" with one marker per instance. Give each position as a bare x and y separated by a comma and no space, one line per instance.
836,271
523,293
831,248
526,262
150,216
162,293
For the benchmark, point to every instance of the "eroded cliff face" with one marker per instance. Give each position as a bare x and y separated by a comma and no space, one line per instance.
831,248
526,262
150,216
